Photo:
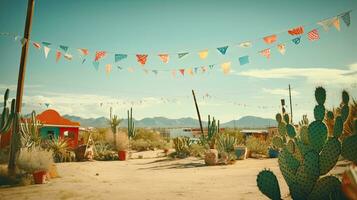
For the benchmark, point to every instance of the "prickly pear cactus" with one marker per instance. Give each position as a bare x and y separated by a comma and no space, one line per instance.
309,153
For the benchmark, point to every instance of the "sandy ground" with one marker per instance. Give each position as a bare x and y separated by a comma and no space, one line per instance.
150,179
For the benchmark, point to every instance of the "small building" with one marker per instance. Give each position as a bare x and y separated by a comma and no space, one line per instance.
260,134
55,126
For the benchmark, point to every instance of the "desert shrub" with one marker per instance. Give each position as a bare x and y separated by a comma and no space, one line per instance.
235,133
103,151
122,141
147,134
226,144
60,150
146,139
182,147
140,145
197,150
4,155
256,145
34,159
98,135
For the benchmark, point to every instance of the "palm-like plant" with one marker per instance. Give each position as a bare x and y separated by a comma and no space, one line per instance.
114,123
59,148
30,132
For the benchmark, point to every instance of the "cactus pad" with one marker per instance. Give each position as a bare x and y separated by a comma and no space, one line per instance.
304,132
311,164
338,127
330,115
286,118
345,97
317,134
268,184
278,117
349,148
320,95
277,142
290,130
345,110
288,161
291,146
282,128
319,112
329,155
325,188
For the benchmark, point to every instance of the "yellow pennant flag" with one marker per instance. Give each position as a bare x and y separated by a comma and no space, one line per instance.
108,68
189,71
336,23
203,54
226,67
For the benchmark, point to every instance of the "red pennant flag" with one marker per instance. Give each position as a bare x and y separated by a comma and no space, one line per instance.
266,53
164,58
58,55
296,31
142,58
182,71
99,55
270,39
313,35
36,45
84,52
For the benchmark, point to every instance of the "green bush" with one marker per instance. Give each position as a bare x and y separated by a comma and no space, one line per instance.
235,133
256,145
140,145
146,139
197,150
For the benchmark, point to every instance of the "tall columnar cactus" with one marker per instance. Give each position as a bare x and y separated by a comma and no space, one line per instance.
310,154
8,114
131,125
212,130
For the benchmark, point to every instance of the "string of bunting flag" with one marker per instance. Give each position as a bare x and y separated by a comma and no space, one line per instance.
271,40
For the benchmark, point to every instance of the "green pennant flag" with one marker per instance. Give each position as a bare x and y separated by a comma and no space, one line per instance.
223,50
46,44
180,55
96,65
64,48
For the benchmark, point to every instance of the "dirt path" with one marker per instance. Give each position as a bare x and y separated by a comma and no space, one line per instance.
150,179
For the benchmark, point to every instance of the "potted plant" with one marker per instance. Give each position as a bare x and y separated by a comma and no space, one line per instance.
35,161
122,146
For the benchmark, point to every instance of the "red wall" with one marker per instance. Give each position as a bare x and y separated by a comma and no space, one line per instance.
5,139
71,142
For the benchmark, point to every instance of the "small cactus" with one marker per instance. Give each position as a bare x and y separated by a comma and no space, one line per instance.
131,125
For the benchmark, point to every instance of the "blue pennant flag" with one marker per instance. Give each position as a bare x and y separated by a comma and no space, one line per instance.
96,65
46,44
211,66
119,57
296,40
346,18
64,48
196,69
180,55
223,50
243,60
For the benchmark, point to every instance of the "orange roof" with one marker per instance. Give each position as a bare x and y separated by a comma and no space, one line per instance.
52,117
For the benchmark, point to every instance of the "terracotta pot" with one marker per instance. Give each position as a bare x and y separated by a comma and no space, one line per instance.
53,171
122,155
39,177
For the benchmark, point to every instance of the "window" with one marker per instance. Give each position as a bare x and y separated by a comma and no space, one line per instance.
68,134
51,135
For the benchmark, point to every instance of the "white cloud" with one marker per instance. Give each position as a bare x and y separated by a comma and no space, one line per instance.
281,92
313,75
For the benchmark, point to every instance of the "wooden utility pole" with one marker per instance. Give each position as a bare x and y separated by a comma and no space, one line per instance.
198,111
291,107
25,47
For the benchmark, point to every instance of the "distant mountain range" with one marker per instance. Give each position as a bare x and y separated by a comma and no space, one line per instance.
163,122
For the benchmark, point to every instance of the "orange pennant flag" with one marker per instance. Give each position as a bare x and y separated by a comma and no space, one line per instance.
336,23
226,67
164,58
189,71
108,68
142,58
270,39
99,55
296,31
58,55
173,72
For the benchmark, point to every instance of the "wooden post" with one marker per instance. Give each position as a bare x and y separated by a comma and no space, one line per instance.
291,107
198,111
25,47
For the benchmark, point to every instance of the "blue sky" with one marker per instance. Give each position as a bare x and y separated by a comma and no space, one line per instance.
153,27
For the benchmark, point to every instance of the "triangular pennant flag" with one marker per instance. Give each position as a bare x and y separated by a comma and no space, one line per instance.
346,18
99,55
266,53
270,39
155,72
120,68
182,71
58,55
326,23
336,23
142,58
203,54
108,68
83,52
211,66
281,48
313,35
196,69
64,48
246,44
203,69
296,31
189,71
119,57
68,56
36,45
226,67
243,60
46,49
222,50
296,40
46,44
164,58
180,55
16,37
173,73
47,105
96,65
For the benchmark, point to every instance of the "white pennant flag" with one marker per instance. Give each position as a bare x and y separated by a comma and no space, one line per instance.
46,50
281,48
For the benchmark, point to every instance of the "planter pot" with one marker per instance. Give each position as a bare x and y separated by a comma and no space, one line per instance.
241,153
122,155
52,171
211,157
39,177
273,153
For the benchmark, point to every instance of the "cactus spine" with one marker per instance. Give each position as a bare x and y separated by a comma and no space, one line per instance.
131,125
310,154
